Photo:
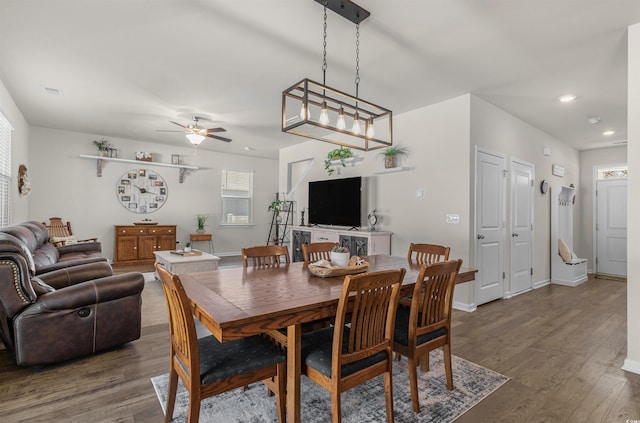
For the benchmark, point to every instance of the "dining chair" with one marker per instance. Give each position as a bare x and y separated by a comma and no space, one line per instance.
208,367
317,251
427,253
359,346
265,255
426,325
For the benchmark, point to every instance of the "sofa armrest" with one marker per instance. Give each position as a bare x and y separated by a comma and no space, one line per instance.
76,274
80,247
92,292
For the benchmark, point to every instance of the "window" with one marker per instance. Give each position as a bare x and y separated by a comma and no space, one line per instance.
613,172
5,170
237,197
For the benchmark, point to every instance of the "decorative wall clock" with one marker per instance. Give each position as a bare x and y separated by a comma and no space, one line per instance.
142,191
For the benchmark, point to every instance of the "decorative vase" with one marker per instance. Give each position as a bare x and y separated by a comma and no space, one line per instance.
390,161
339,259
200,231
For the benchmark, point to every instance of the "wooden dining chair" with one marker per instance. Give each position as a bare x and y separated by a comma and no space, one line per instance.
359,346
265,255
427,253
208,367
427,324
317,251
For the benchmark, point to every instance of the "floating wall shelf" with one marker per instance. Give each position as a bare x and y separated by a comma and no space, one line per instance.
101,160
393,170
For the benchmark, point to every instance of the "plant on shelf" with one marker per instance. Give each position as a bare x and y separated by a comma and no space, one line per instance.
337,155
103,145
201,219
392,153
277,204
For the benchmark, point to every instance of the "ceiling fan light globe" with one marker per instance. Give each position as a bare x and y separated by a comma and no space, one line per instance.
195,139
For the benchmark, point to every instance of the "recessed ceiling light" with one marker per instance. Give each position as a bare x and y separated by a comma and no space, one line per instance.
608,133
567,98
593,119
52,91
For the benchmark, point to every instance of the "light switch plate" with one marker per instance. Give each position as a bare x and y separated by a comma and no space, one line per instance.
453,218
419,193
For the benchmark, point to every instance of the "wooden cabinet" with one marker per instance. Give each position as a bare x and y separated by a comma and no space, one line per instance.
359,243
137,244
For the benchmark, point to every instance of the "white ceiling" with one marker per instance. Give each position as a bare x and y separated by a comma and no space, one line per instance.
127,67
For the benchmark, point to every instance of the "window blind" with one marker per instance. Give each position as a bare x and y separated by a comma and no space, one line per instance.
5,170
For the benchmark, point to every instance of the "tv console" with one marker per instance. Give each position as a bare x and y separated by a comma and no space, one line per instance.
359,243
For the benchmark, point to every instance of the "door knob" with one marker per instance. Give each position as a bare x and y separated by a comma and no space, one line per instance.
480,236
514,235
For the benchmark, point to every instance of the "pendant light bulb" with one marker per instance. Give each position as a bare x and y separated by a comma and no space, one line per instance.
371,133
304,113
356,128
341,122
324,114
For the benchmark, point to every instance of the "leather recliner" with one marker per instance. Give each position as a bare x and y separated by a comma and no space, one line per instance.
64,313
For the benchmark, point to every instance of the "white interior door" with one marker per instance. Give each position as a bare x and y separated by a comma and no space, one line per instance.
522,188
611,227
489,245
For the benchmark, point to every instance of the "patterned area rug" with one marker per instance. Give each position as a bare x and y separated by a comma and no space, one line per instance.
364,403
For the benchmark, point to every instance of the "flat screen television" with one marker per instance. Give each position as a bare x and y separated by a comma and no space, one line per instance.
336,202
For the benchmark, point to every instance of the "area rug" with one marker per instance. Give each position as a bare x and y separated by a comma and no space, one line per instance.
364,403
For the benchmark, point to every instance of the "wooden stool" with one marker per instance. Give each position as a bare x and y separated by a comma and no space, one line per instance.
202,237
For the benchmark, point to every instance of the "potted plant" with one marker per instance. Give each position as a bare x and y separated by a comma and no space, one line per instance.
187,247
201,219
103,146
391,155
337,155
339,256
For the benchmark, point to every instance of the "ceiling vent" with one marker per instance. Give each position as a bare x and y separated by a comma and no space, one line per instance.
52,91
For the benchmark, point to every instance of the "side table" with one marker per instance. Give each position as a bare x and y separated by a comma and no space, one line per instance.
202,237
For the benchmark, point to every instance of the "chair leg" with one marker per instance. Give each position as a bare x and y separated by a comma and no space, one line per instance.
413,384
446,352
398,356
281,398
171,395
336,407
194,407
388,396
424,362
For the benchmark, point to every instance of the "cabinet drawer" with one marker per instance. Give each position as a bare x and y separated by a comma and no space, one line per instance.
131,230
162,230
324,236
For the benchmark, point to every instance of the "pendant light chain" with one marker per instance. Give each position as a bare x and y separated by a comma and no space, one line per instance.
357,58
324,47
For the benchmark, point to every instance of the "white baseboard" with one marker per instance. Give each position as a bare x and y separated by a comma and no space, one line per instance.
464,307
631,366
540,284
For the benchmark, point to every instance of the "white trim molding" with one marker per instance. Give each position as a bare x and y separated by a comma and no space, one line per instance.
631,366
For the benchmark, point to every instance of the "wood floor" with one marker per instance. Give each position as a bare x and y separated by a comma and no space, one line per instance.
562,348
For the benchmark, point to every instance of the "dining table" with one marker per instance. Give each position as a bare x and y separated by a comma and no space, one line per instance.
233,303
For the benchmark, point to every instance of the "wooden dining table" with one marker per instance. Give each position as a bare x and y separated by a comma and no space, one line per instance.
239,302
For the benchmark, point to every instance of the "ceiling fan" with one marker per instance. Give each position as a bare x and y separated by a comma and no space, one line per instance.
196,133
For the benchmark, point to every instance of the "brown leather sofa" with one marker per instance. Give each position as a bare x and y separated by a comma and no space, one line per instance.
64,313
46,257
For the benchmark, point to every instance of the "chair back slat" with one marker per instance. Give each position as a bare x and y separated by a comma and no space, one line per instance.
433,296
58,229
265,255
317,251
374,299
427,253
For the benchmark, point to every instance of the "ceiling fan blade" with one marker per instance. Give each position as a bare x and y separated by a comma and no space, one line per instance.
179,124
167,130
210,130
219,138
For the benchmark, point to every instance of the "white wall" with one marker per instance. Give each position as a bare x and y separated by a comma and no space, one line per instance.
65,185
588,160
438,139
499,131
19,153
632,362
